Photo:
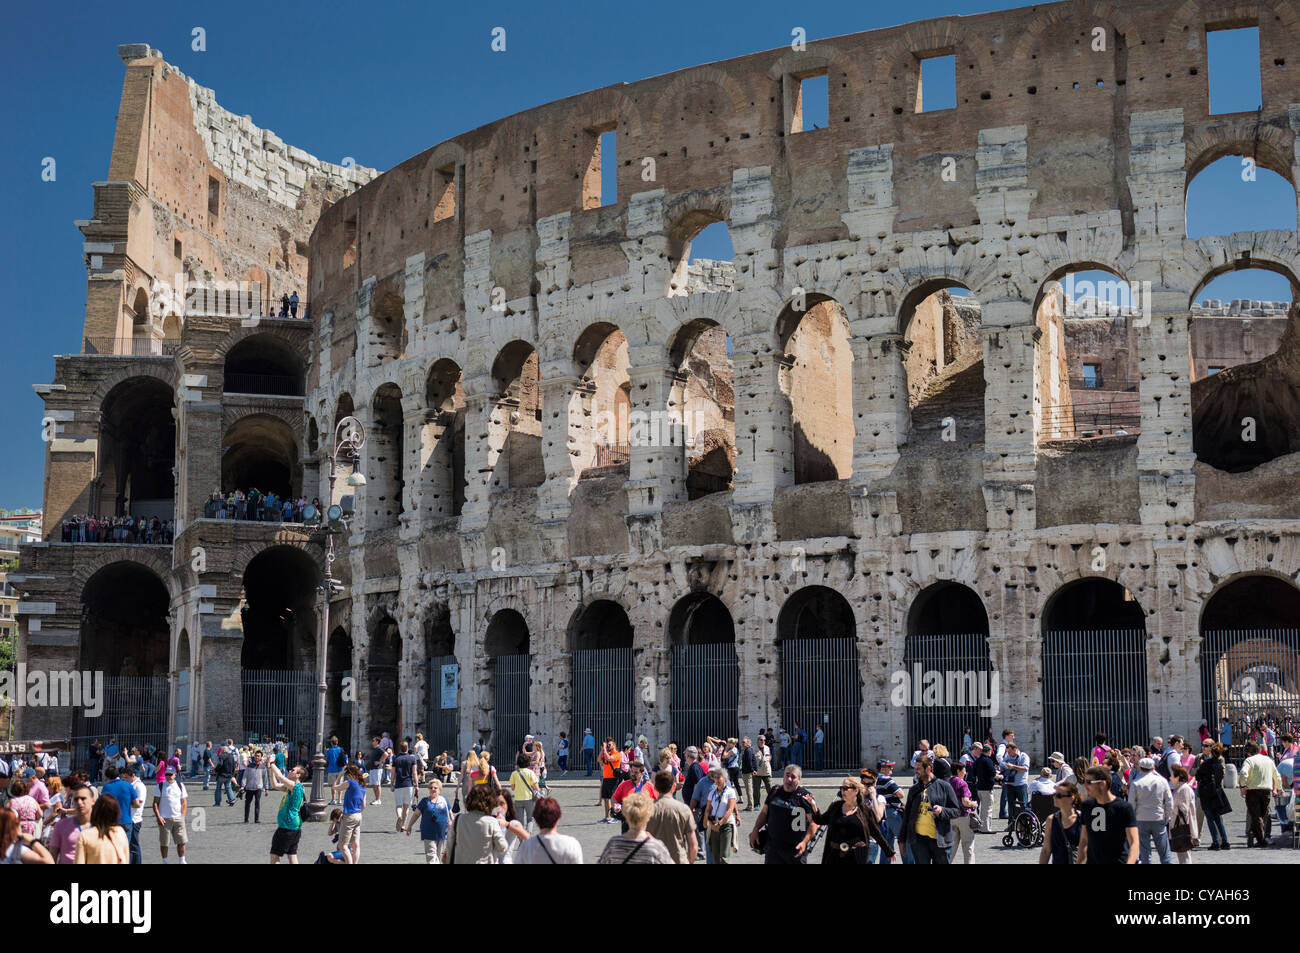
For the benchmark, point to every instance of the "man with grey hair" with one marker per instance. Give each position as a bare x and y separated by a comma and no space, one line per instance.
693,771
787,817
1153,805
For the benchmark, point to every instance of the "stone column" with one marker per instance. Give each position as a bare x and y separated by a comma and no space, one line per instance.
657,464
760,464
882,419
221,643
1010,415
487,424
1166,460
565,405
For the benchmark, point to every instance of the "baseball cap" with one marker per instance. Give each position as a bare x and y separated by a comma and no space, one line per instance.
1146,764
884,763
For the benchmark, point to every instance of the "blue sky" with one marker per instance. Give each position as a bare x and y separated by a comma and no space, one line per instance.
374,82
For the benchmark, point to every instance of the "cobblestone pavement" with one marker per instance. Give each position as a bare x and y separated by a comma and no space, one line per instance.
226,839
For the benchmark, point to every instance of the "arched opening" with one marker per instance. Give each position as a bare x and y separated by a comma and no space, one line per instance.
443,441
947,674
814,429
172,327
705,697
385,452
342,408
1094,668
1088,355
1250,656
382,677
387,324
703,400
601,404
507,709
1244,358
259,452
443,682
820,684
137,450
264,364
517,421
604,685
278,656
126,635
943,366
701,253
338,675
183,688
1238,193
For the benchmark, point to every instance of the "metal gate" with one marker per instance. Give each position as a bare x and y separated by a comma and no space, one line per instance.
1247,674
443,723
820,687
962,685
705,693
279,705
183,710
604,695
513,715
134,714
1093,681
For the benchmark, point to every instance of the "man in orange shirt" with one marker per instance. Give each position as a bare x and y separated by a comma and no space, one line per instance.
610,761
638,783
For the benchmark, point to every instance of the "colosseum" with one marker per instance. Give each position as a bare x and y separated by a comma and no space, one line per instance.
875,474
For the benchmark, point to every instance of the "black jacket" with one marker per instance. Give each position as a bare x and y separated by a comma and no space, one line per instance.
748,763
871,827
1209,787
941,795
985,769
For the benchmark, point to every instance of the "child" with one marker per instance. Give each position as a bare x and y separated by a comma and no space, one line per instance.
335,856
434,814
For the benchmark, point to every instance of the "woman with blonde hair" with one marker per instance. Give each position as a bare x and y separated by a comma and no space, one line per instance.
850,826
637,846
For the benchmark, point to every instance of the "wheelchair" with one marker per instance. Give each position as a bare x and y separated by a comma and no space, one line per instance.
1029,824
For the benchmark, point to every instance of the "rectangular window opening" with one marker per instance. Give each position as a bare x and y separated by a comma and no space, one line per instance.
600,178
810,108
1091,376
936,85
444,193
1233,65
214,196
176,248
350,242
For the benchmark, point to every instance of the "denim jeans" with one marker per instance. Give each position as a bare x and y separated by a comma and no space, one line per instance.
586,757
1147,832
226,785
133,838
1017,799
796,753
1002,804
818,746
889,827
1218,833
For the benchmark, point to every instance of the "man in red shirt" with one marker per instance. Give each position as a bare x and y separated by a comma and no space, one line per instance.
638,783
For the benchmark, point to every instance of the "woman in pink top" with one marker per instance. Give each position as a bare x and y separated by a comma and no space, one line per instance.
25,806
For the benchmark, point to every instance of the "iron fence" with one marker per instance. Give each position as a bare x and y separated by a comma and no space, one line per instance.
279,705
966,694
705,693
1094,680
443,724
134,714
820,686
130,347
1248,674
604,695
513,715
1117,413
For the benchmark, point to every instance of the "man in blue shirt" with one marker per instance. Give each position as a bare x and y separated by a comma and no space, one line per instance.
1225,733
1015,779
588,749
121,791
335,758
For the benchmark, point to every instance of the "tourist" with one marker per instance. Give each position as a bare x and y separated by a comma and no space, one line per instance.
508,817
783,742
637,846
25,807
588,749
1259,779
252,785
406,782
819,746
1152,803
288,820
721,820
352,786
562,754
786,820
1014,766
1008,737
547,846
421,751
927,816
851,825
335,758
1213,798
1060,770
888,788
731,764
523,786
66,830
875,803
226,766
762,776
377,762
1043,784
921,751
1114,825
963,834
671,822
170,804
1061,836
984,773
104,840
1184,833
475,836
610,767
293,304
435,814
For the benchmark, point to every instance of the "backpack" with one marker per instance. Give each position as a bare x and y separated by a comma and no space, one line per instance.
1162,766
227,763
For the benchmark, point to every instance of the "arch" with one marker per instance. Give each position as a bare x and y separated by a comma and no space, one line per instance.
600,641
383,661
261,451
124,622
442,441
385,453
137,450
264,363
703,396
1221,200
184,652
388,334
182,665
279,612
339,665
686,224
442,687
948,676
343,407
1094,667
1250,653
516,376
600,414
821,687
704,696
814,429
507,705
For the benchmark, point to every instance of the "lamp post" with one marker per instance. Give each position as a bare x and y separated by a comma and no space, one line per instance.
349,438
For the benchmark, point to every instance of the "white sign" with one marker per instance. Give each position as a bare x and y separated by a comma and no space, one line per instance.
450,684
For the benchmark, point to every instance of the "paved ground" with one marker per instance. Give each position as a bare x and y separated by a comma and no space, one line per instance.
226,839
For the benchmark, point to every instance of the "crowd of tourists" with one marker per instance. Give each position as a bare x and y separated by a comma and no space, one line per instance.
257,506
1130,804
117,529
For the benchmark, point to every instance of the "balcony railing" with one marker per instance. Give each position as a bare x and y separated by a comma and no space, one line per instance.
613,455
1101,382
130,347
1118,414
279,385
